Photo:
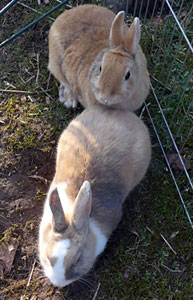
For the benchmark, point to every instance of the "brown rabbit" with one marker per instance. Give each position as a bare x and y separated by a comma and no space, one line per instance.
98,59
101,156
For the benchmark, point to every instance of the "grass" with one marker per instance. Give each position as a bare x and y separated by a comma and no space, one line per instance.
149,256
171,64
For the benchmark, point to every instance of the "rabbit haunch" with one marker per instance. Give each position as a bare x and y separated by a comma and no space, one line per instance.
98,59
101,156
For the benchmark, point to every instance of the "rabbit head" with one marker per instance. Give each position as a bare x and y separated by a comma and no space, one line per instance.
118,71
67,239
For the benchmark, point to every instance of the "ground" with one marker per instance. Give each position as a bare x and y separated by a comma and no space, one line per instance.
149,256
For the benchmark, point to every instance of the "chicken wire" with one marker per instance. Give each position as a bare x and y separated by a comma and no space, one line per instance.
167,42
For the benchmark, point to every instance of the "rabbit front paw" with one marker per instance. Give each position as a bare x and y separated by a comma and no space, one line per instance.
66,96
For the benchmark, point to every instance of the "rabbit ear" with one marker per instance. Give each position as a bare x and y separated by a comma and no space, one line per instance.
116,31
57,211
82,205
132,37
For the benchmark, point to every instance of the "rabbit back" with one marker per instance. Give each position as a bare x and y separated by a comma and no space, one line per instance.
109,148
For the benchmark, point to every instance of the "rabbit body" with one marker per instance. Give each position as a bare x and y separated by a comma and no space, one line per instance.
101,156
97,59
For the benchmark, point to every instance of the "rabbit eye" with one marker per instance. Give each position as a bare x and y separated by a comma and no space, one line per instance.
127,75
100,69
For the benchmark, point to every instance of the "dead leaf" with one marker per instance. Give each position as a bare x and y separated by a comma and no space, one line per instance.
32,54
23,98
174,234
158,21
187,22
183,14
7,255
176,164
47,100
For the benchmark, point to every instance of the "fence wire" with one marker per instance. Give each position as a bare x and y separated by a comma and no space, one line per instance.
167,39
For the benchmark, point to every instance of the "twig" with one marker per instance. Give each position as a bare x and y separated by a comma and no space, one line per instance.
168,244
30,78
180,61
135,232
156,268
16,91
95,295
39,178
175,3
46,93
142,111
172,271
161,83
22,79
28,72
31,98
135,245
150,230
38,65
9,84
14,286
48,82
3,209
30,276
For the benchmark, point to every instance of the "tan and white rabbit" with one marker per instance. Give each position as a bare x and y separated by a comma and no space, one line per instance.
101,156
98,59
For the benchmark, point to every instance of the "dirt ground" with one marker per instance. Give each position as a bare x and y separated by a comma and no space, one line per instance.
19,217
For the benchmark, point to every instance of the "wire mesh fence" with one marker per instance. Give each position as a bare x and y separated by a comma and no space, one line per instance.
167,39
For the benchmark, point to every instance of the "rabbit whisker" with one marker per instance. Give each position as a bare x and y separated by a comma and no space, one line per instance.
85,282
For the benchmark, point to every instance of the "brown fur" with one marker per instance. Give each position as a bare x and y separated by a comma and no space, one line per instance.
79,44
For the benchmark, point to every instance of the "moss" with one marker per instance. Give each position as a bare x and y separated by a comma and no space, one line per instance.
16,225
28,225
7,235
40,195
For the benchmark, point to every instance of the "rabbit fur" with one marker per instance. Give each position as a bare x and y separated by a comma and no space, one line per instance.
101,156
98,59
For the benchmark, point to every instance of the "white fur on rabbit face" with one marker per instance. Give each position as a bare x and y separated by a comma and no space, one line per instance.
115,74
70,243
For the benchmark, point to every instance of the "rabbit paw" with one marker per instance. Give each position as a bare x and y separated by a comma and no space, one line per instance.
66,96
